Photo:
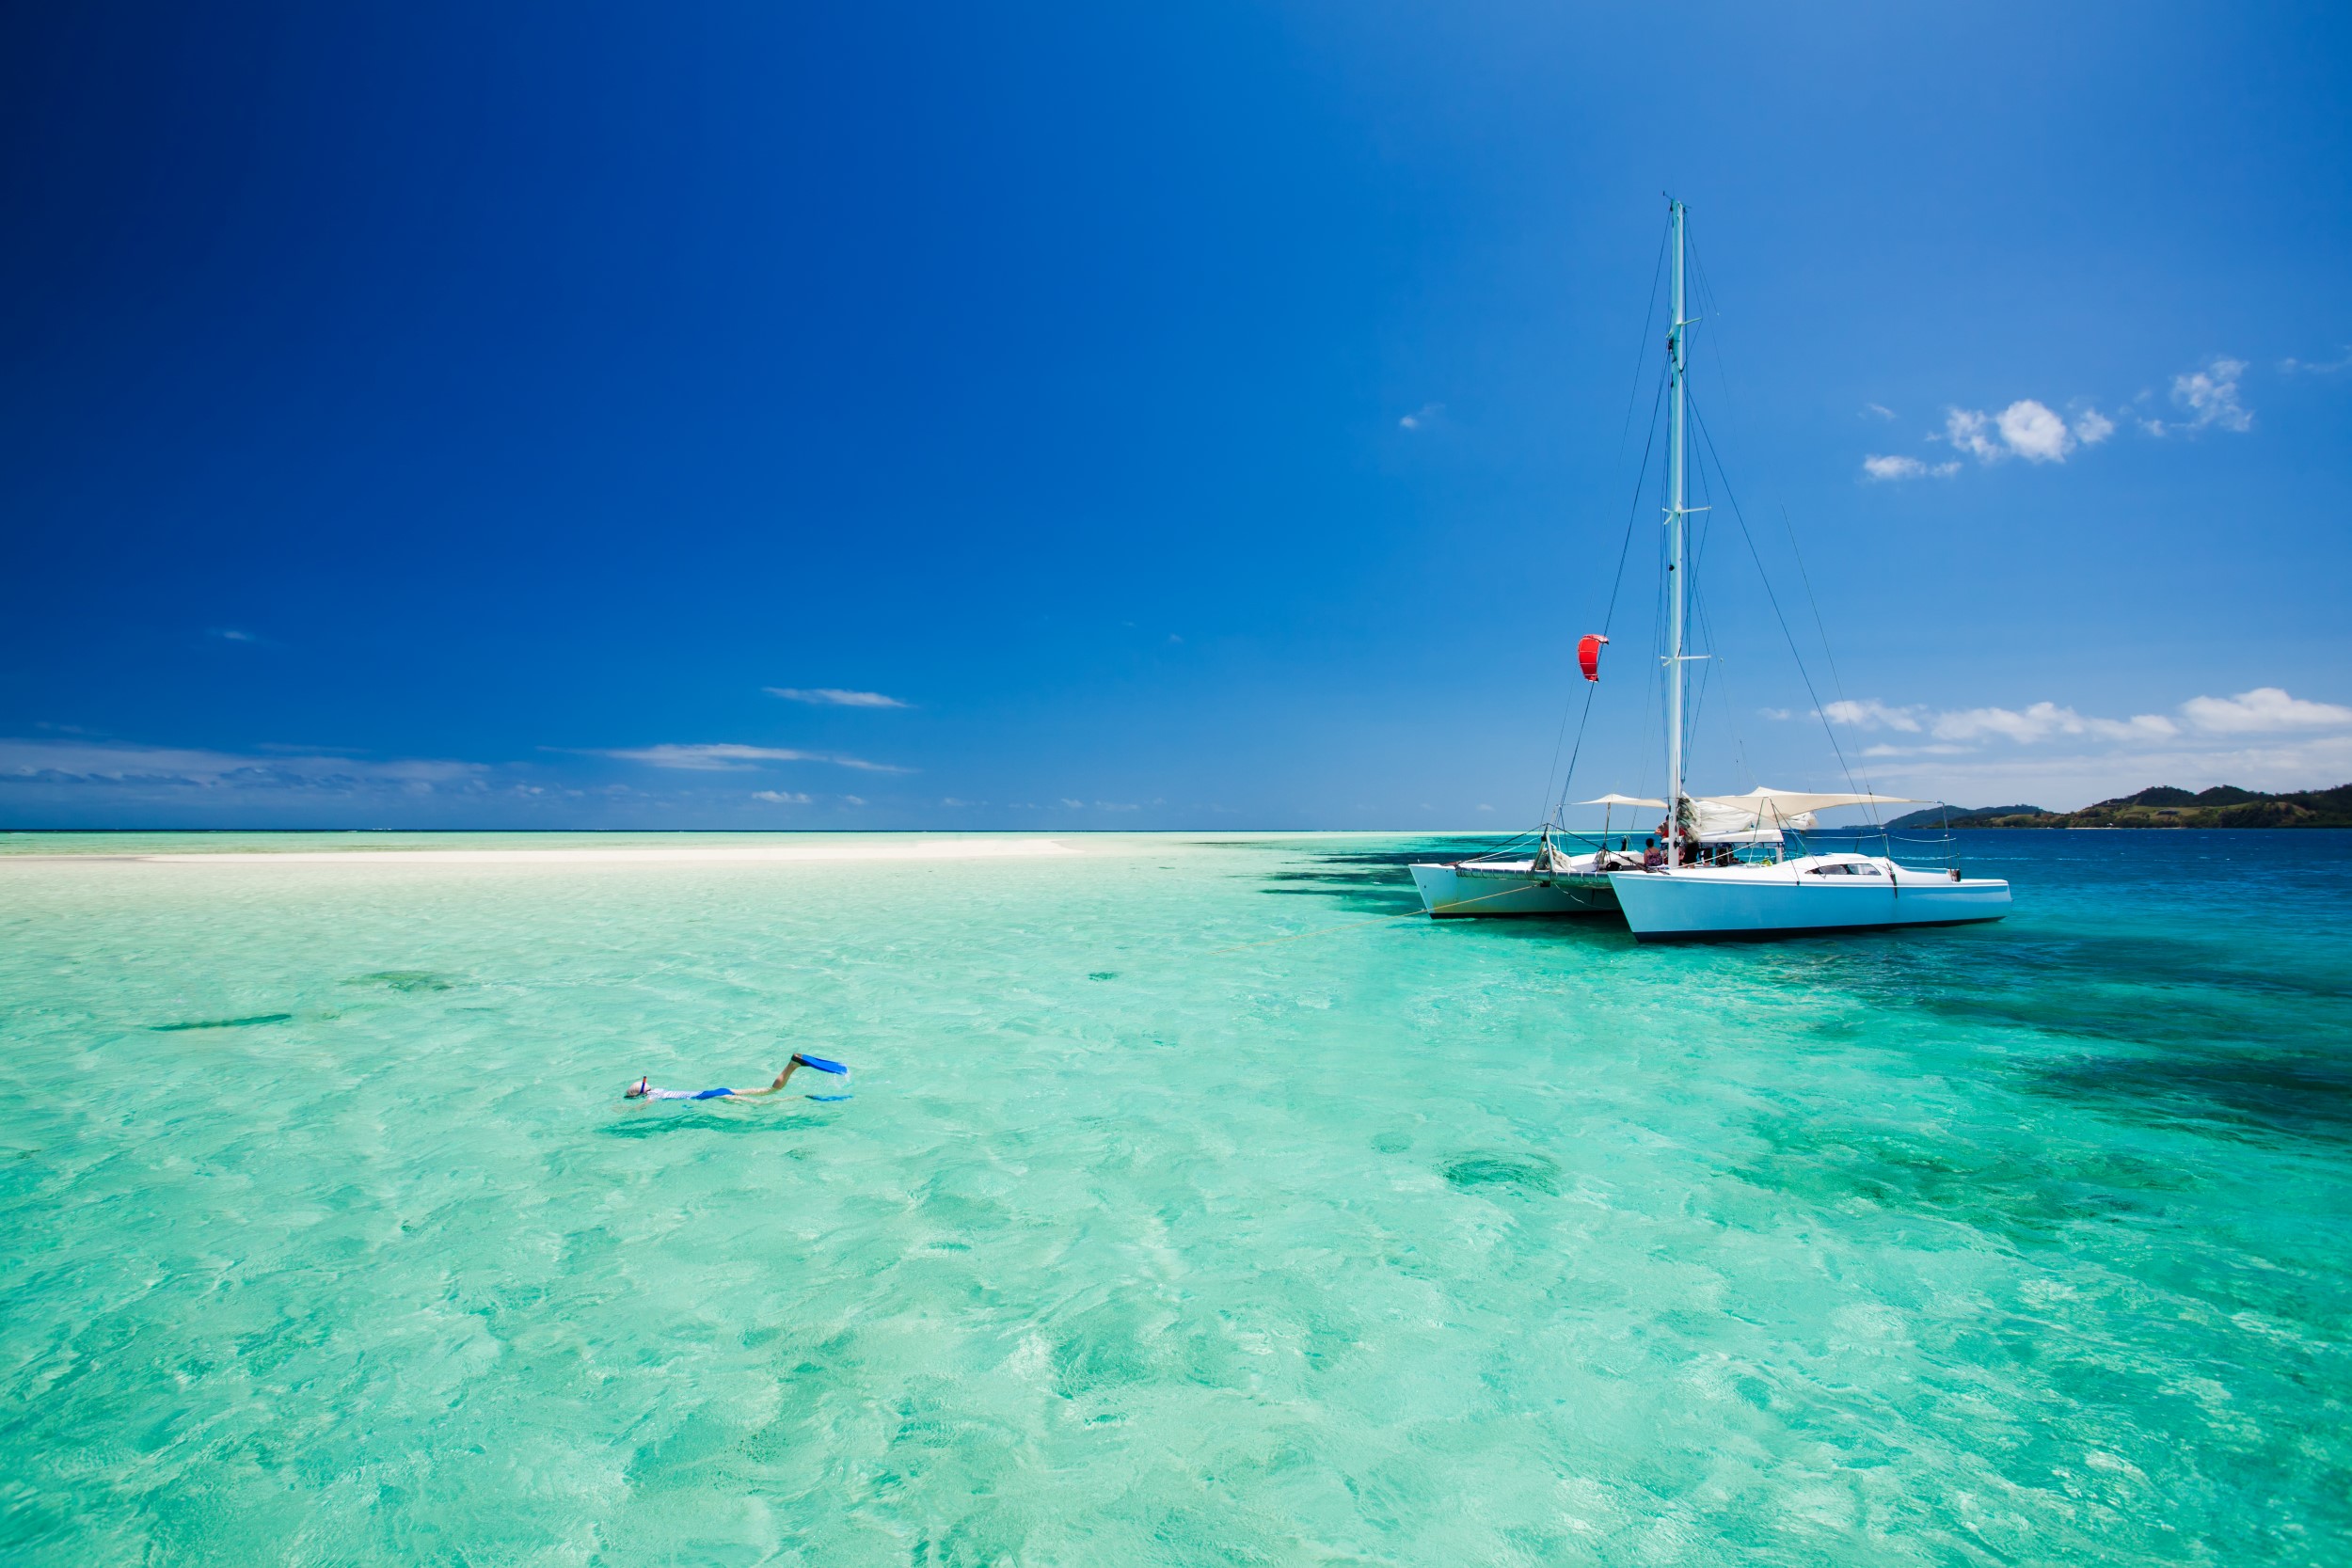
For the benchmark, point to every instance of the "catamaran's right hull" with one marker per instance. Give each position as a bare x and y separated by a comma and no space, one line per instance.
1450,893
1699,905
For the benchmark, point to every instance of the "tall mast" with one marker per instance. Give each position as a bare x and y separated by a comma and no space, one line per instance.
1676,515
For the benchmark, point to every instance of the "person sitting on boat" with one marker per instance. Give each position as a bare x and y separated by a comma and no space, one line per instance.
644,1090
1652,856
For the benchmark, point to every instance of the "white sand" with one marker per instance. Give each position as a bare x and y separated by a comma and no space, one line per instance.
740,854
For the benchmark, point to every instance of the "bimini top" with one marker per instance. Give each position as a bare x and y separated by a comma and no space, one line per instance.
1779,805
1616,799
1757,816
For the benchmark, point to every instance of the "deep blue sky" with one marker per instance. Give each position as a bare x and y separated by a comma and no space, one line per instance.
1205,417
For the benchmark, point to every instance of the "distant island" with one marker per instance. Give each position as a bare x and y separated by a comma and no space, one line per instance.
2222,806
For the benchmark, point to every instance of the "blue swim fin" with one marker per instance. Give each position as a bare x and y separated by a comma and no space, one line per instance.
820,1064
828,1098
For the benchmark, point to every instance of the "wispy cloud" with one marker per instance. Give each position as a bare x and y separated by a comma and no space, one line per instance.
1422,418
2265,710
192,768
2023,725
2061,778
833,696
1877,411
2210,398
2263,739
780,796
1871,715
727,757
1877,468
2318,367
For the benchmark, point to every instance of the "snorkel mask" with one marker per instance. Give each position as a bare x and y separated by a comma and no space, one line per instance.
640,1090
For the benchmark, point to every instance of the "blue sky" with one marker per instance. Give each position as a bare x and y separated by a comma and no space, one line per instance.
1086,418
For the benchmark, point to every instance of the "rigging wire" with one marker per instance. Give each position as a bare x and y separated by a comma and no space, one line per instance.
1633,398
1704,283
1772,598
1608,616
1837,682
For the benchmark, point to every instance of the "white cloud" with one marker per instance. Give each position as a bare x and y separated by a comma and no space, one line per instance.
854,799
833,696
2044,719
780,796
2034,432
1421,418
2265,709
1074,805
725,757
1878,410
2143,749
1966,429
231,634
1776,713
2211,397
2065,780
1875,466
1871,714
2322,367
2025,726
2028,428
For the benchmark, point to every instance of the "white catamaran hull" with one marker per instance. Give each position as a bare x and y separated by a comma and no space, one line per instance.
1698,903
1451,893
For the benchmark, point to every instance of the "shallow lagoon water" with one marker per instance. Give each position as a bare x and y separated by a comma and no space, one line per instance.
1151,1237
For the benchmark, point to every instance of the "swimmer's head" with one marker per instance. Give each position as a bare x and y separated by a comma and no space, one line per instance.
640,1089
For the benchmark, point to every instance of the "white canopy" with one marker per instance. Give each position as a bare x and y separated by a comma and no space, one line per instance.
1779,805
1757,816
1616,799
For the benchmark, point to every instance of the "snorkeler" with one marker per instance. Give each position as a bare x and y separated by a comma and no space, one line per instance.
644,1090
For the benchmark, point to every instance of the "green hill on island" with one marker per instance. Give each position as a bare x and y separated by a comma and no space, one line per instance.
2222,806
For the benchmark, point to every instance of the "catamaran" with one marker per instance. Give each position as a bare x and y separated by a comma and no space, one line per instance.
1724,870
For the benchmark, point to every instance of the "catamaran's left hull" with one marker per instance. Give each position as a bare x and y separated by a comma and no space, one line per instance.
1450,893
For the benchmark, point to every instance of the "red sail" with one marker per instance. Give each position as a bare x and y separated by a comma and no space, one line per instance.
1588,656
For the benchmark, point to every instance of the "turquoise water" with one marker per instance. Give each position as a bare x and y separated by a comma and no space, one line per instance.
1148,1238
